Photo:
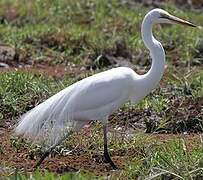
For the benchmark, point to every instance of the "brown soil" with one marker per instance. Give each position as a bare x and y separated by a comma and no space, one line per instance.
21,159
57,71
93,162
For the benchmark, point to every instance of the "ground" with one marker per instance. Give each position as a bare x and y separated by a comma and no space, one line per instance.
78,159
42,52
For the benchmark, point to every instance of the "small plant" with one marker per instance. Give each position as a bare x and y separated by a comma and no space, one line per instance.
1,150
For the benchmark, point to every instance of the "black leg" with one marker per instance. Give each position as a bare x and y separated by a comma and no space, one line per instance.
106,153
48,151
42,158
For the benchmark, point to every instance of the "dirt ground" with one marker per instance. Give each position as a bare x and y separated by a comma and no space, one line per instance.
13,159
22,159
57,71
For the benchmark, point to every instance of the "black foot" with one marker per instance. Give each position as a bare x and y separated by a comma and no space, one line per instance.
108,160
41,159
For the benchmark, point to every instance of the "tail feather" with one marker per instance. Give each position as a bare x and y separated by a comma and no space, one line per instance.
51,120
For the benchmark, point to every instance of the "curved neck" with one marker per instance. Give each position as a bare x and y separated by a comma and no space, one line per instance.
150,80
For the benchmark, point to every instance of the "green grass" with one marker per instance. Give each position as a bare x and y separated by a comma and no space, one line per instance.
21,92
151,159
51,176
172,159
60,32
100,23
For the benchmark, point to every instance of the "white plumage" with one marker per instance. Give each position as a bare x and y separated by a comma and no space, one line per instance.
98,96
76,105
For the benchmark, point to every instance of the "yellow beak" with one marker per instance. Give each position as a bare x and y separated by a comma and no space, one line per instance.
178,20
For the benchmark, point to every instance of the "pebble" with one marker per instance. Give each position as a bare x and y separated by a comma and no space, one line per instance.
4,65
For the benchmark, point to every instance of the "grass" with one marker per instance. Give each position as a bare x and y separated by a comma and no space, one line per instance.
98,23
172,158
51,176
21,92
63,32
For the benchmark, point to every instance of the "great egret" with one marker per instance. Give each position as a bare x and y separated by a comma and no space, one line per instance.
97,96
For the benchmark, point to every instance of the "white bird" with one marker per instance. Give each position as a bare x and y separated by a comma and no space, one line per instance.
98,96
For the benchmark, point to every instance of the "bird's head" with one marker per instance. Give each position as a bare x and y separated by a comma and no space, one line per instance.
161,16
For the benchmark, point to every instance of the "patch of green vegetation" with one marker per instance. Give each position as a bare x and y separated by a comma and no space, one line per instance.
171,160
52,176
20,92
197,85
175,106
146,157
94,25
60,32
1,150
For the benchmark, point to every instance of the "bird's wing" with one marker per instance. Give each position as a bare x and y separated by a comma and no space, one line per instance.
89,99
98,96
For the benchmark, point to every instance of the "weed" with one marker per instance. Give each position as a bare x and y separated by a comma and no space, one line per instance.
20,92
98,35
